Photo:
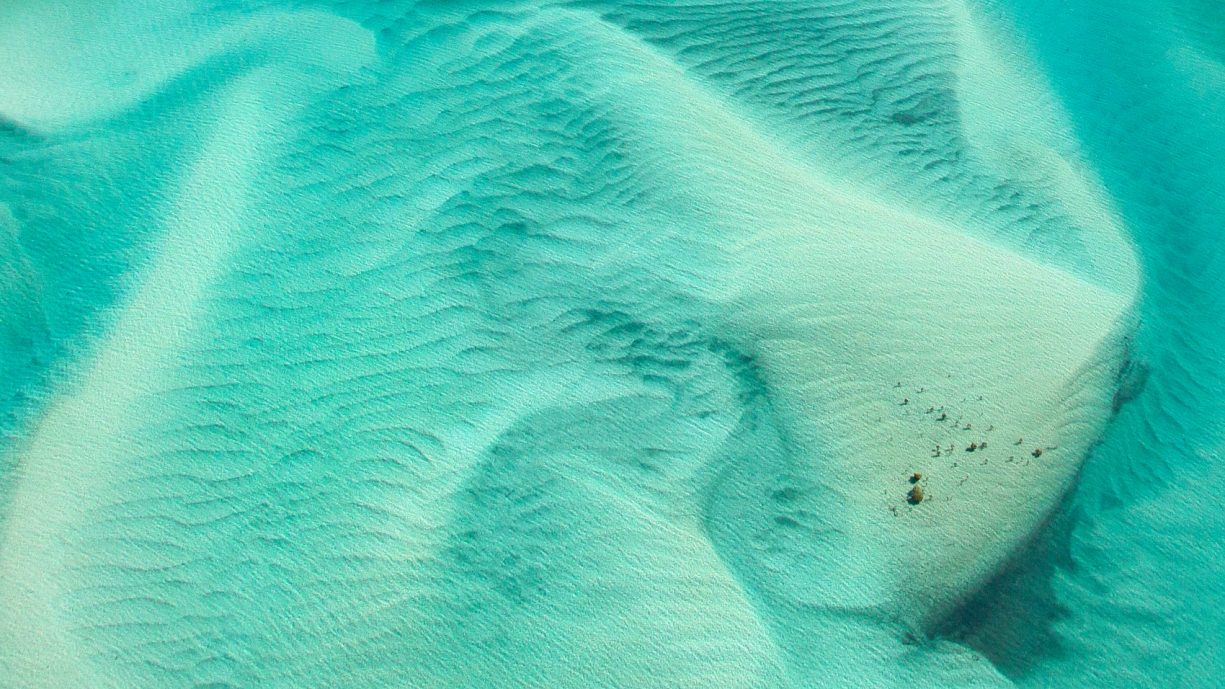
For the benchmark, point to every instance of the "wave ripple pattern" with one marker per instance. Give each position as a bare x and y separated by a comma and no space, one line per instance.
791,344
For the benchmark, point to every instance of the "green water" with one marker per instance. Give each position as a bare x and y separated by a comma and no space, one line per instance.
402,344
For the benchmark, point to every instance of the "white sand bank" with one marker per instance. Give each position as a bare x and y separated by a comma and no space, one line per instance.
841,299
838,299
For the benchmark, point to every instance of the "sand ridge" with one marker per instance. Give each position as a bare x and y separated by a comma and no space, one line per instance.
842,299
86,433
497,406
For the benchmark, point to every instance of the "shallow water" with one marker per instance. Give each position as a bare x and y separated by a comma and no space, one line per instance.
504,344
1130,596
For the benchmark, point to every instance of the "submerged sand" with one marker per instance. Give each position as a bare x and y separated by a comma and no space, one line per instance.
889,337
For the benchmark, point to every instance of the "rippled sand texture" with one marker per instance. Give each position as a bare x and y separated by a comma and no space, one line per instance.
1129,592
498,344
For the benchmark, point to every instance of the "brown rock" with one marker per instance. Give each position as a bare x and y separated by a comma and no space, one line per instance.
914,478
915,496
1037,452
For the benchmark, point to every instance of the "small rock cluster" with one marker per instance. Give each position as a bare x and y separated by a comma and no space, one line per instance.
915,496
950,426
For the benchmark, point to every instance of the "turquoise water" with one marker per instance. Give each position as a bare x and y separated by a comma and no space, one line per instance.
1133,596
436,344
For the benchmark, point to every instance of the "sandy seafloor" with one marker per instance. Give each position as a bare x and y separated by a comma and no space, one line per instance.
594,344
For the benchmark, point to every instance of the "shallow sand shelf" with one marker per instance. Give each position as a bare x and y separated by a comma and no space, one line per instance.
566,344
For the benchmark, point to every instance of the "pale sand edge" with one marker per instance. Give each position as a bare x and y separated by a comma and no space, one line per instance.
82,433
841,297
